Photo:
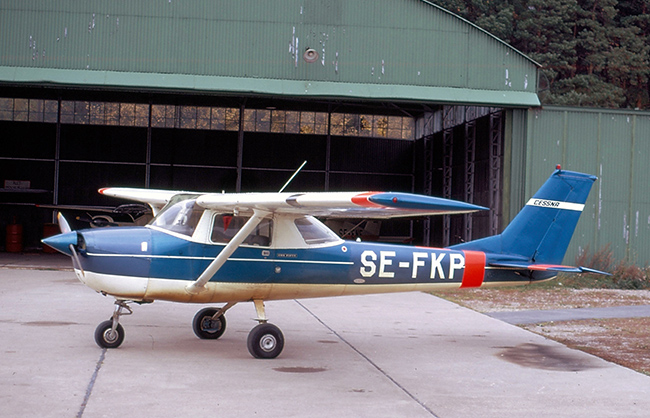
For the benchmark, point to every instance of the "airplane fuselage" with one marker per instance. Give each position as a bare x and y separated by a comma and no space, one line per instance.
144,263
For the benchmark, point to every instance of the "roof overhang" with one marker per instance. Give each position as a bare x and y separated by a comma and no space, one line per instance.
244,86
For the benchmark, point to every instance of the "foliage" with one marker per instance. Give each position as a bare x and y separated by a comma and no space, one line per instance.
625,275
592,52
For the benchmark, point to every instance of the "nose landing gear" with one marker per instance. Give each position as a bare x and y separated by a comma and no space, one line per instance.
110,334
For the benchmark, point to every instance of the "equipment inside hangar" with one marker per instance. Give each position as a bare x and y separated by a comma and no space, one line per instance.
407,113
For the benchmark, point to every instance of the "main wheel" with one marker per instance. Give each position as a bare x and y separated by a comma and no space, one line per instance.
207,328
265,341
107,337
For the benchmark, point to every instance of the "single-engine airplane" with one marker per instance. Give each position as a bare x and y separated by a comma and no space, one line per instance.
255,247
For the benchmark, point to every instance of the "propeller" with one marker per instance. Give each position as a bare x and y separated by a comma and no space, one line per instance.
64,226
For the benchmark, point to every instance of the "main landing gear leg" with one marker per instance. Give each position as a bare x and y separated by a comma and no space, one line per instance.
265,340
110,334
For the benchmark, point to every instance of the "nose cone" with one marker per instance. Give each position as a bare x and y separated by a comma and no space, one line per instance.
62,242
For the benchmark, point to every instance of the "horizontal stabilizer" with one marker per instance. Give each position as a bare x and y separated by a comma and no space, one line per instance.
547,267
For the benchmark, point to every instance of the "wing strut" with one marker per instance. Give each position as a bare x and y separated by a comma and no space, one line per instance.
198,286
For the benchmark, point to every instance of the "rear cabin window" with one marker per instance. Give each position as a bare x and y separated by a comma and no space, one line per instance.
314,232
180,216
225,227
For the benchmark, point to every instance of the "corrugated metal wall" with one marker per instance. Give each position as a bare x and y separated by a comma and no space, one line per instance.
615,146
380,42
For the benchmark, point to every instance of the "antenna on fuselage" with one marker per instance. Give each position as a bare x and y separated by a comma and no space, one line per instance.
294,175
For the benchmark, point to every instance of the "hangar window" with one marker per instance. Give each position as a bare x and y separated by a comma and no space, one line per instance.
377,126
112,114
205,117
32,110
218,118
21,110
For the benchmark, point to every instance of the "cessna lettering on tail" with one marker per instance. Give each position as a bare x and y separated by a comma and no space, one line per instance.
442,265
554,204
546,203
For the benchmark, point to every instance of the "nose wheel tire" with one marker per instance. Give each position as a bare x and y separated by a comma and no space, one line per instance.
207,328
107,337
265,341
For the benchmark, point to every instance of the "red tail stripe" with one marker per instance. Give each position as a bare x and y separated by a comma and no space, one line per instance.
474,269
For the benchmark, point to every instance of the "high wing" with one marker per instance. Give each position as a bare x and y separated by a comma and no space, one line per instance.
156,198
378,205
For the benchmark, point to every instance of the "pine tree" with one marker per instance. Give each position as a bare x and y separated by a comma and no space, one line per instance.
592,52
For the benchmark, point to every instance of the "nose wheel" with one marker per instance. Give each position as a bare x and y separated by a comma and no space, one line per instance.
110,334
107,336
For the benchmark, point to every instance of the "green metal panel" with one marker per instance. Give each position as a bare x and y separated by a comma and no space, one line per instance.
514,170
378,48
639,234
615,146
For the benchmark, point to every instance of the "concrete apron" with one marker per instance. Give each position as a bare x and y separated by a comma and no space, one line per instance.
393,355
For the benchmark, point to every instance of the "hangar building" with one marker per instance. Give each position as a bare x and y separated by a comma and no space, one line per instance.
218,95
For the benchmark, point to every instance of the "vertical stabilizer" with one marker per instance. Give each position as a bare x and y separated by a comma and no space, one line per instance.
542,230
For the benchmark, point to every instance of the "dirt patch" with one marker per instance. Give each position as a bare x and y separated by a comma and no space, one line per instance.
525,298
625,341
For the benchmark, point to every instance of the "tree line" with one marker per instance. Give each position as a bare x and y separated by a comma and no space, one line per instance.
594,53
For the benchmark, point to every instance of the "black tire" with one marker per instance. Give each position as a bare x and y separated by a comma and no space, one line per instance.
207,328
106,337
265,341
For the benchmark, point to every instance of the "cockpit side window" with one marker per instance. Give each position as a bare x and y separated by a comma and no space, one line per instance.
225,226
179,216
314,232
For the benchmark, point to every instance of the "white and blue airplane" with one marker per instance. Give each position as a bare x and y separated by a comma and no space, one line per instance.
212,248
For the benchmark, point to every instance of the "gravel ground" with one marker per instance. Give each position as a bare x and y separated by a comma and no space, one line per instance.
625,341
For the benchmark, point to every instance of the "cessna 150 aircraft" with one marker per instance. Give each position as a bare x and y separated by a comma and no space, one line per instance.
229,248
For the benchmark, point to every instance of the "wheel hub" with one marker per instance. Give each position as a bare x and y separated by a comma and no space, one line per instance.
110,335
210,325
268,343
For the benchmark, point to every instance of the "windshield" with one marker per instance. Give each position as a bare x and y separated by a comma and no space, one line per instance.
314,232
181,215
